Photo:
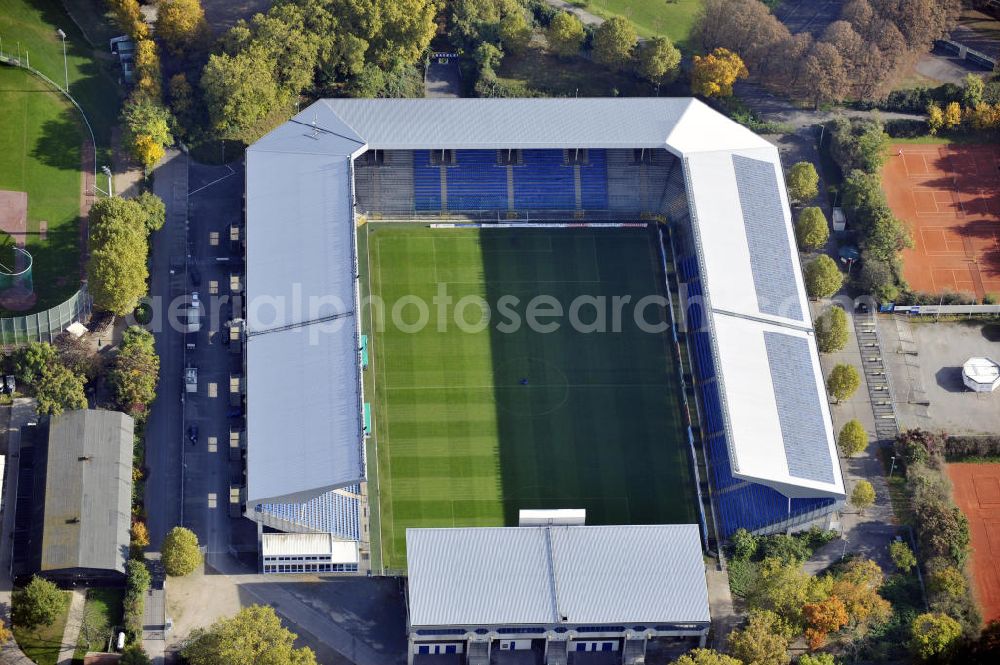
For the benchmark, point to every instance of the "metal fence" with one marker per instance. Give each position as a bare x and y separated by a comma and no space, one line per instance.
944,310
45,326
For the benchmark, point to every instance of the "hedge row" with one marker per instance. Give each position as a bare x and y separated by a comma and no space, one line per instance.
960,447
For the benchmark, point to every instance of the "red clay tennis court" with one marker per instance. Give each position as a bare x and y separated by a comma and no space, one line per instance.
977,493
949,196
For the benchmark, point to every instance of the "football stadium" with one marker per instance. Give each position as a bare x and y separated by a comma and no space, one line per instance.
461,309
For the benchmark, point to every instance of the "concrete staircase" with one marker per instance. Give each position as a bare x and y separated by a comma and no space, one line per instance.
876,377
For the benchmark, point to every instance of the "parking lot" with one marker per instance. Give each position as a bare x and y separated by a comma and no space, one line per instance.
926,358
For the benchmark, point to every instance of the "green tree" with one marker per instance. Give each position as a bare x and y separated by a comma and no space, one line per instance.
135,371
706,657
180,552
515,32
242,95
812,229
31,360
761,641
902,556
715,74
59,389
803,182
117,269
254,635
564,34
843,381
863,495
823,277
614,42
154,210
134,655
488,56
853,438
831,330
972,91
146,122
38,603
947,581
933,634
657,59
180,24
783,588
876,278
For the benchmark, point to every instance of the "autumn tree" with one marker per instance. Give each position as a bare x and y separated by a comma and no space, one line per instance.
614,42
564,34
147,130
863,495
972,90
657,59
952,115
147,74
59,389
843,381
803,182
902,556
816,659
853,438
857,585
31,360
706,657
947,581
762,641
181,554
781,587
822,618
140,535
933,634
128,15
713,75
831,330
935,118
812,229
822,276
253,635
180,24
117,269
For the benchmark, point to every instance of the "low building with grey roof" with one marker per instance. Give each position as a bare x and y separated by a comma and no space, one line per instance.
558,590
82,498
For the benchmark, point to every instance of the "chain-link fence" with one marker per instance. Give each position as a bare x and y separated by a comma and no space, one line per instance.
45,326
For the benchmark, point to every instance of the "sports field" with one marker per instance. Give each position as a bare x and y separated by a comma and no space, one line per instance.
947,195
471,426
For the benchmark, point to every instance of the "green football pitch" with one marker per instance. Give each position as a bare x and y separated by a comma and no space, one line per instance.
473,422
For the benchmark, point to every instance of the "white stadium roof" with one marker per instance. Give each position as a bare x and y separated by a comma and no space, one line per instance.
556,575
304,397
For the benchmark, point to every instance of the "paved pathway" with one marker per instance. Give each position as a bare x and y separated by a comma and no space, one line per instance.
720,600
870,533
74,621
585,17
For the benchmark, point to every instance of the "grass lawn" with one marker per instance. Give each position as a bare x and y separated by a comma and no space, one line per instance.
43,643
672,19
101,614
40,142
92,71
473,425
570,77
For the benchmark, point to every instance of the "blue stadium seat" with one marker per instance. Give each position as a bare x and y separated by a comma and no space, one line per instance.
476,181
544,182
426,182
334,512
594,181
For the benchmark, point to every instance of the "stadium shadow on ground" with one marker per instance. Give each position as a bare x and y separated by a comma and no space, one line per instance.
586,420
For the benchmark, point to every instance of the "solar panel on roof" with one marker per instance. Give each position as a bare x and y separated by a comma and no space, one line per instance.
800,415
767,238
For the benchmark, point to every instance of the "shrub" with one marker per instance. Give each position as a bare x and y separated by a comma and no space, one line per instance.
785,548
919,446
743,576
744,544
959,447
902,556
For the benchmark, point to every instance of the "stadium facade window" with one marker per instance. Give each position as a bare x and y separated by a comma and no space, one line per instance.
440,631
600,629
510,157
576,156
515,630
443,157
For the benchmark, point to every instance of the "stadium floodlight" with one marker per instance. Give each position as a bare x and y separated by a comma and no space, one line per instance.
62,36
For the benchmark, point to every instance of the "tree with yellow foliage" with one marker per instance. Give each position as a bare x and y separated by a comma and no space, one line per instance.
129,17
140,535
180,24
147,151
952,115
147,70
935,118
714,74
